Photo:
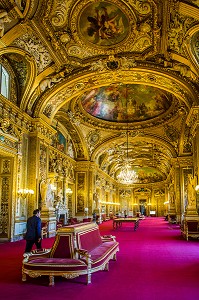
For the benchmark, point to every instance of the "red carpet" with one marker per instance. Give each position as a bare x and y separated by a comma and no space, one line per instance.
154,263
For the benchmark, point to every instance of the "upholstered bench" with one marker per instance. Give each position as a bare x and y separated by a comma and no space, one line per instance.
65,267
101,249
190,229
78,250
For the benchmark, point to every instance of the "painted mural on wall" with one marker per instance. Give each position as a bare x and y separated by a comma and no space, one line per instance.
63,144
122,103
103,24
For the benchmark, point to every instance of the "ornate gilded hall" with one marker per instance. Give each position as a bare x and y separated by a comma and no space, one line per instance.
99,110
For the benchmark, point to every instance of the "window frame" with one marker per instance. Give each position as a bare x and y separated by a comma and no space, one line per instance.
5,89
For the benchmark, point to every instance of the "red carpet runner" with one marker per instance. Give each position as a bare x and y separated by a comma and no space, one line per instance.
154,263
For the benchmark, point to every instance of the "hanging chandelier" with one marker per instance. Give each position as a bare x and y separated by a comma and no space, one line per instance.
127,175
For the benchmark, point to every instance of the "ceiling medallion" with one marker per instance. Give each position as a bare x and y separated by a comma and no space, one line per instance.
102,25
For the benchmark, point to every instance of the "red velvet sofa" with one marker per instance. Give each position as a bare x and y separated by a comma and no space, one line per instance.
78,250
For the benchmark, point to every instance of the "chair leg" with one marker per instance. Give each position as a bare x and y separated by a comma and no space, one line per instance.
24,277
51,280
88,278
115,257
106,268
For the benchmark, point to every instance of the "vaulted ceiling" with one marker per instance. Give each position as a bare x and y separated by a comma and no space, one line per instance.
107,70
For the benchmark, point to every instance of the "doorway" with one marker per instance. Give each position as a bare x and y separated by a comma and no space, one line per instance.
142,205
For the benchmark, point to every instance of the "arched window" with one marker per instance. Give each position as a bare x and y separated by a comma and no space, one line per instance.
4,82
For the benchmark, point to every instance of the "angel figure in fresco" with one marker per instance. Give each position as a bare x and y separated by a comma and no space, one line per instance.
3,19
103,26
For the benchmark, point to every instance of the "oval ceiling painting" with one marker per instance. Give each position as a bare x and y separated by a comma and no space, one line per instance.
126,103
195,45
103,24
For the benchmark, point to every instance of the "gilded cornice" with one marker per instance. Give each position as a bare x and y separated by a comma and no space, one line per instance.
184,161
8,143
20,120
42,130
85,166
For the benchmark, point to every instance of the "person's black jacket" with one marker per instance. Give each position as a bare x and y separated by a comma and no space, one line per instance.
33,228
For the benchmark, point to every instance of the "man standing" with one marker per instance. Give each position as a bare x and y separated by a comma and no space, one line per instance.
33,233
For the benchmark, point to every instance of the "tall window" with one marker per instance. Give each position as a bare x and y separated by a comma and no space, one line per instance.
4,82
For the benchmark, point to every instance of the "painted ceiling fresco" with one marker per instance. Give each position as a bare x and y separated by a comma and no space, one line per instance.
147,175
103,24
126,103
146,159
195,45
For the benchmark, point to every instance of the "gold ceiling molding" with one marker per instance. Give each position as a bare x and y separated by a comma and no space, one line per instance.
59,13
51,101
185,161
188,10
76,27
122,35
112,142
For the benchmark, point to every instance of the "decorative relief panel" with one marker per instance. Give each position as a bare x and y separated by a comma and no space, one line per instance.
5,186
178,27
4,216
186,172
60,12
43,161
34,46
60,165
83,28
187,144
81,193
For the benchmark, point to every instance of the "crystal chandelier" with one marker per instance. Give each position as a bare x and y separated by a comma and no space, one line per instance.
127,175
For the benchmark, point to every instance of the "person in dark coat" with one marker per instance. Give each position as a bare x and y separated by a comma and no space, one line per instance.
33,233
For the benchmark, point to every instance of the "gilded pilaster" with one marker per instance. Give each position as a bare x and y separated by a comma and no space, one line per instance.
179,209
32,173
